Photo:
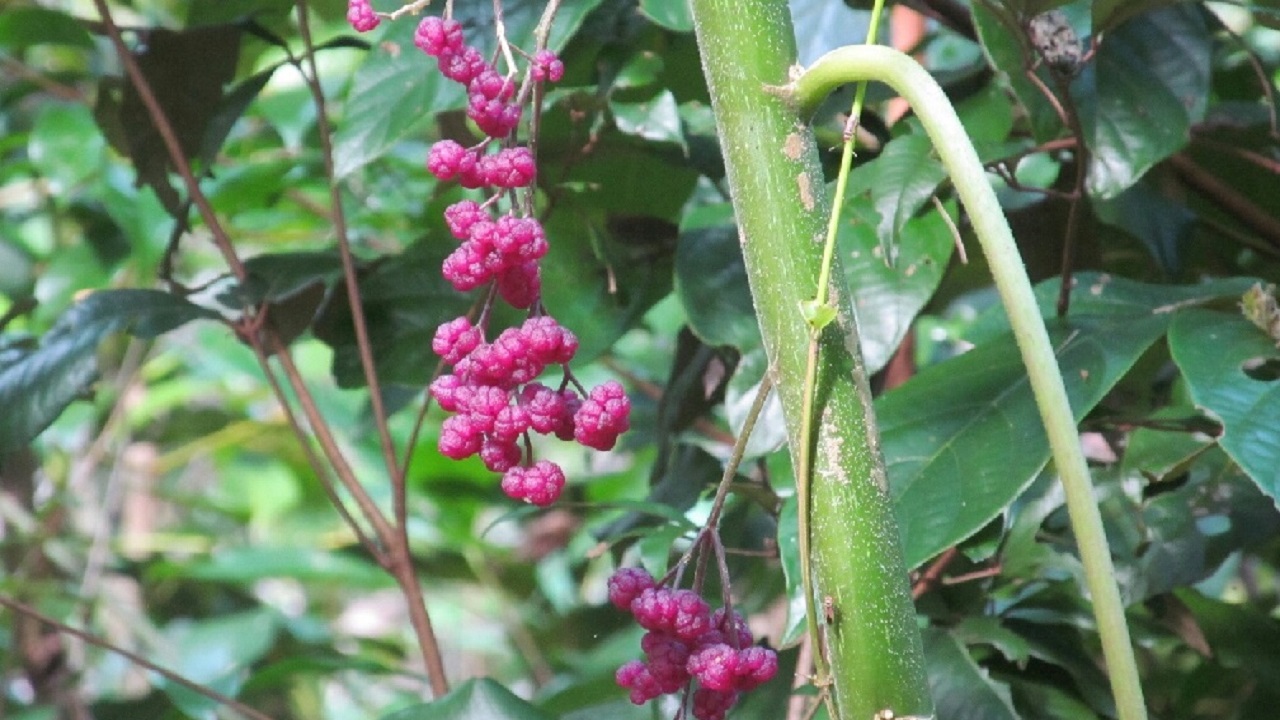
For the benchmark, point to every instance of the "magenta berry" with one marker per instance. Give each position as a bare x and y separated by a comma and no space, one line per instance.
508,168
499,456
636,677
520,286
547,66
491,388
626,584
438,37
447,159
603,416
455,339
538,485
756,666
361,16
460,216
463,67
714,666
711,704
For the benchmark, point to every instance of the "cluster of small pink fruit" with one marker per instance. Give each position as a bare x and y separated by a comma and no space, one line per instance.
492,388
686,641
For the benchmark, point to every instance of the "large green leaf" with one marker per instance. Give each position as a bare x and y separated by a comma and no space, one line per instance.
1161,223
38,382
1186,534
216,653
22,27
964,437
480,699
961,689
1152,85
671,14
887,297
711,282
901,180
186,71
1229,365
600,277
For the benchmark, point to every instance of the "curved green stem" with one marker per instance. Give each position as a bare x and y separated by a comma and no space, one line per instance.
857,63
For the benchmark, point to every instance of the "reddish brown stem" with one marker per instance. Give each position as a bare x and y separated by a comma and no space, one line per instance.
171,144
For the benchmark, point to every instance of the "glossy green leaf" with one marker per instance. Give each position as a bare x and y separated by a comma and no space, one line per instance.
964,437
405,299
1172,440
599,278
1152,85
22,27
961,690
901,180
655,118
216,653
1187,533
1105,296
1159,222
670,14
789,553
65,147
887,297
711,282
38,382
1223,358
821,26
273,277
395,92
770,432
1107,14
479,699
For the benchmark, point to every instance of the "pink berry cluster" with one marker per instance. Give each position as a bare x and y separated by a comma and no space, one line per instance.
687,641
492,387
491,101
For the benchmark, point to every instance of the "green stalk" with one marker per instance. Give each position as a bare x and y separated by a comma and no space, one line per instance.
857,63
872,644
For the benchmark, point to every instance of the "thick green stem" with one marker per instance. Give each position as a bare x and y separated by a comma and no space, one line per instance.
857,63
873,645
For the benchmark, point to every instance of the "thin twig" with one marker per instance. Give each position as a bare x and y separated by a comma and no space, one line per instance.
1071,234
162,125
1242,208
358,321
46,83
318,466
169,675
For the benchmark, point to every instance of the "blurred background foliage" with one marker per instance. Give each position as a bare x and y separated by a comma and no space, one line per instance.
152,492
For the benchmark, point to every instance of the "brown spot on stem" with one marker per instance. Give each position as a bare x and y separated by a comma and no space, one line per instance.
793,148
806,190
